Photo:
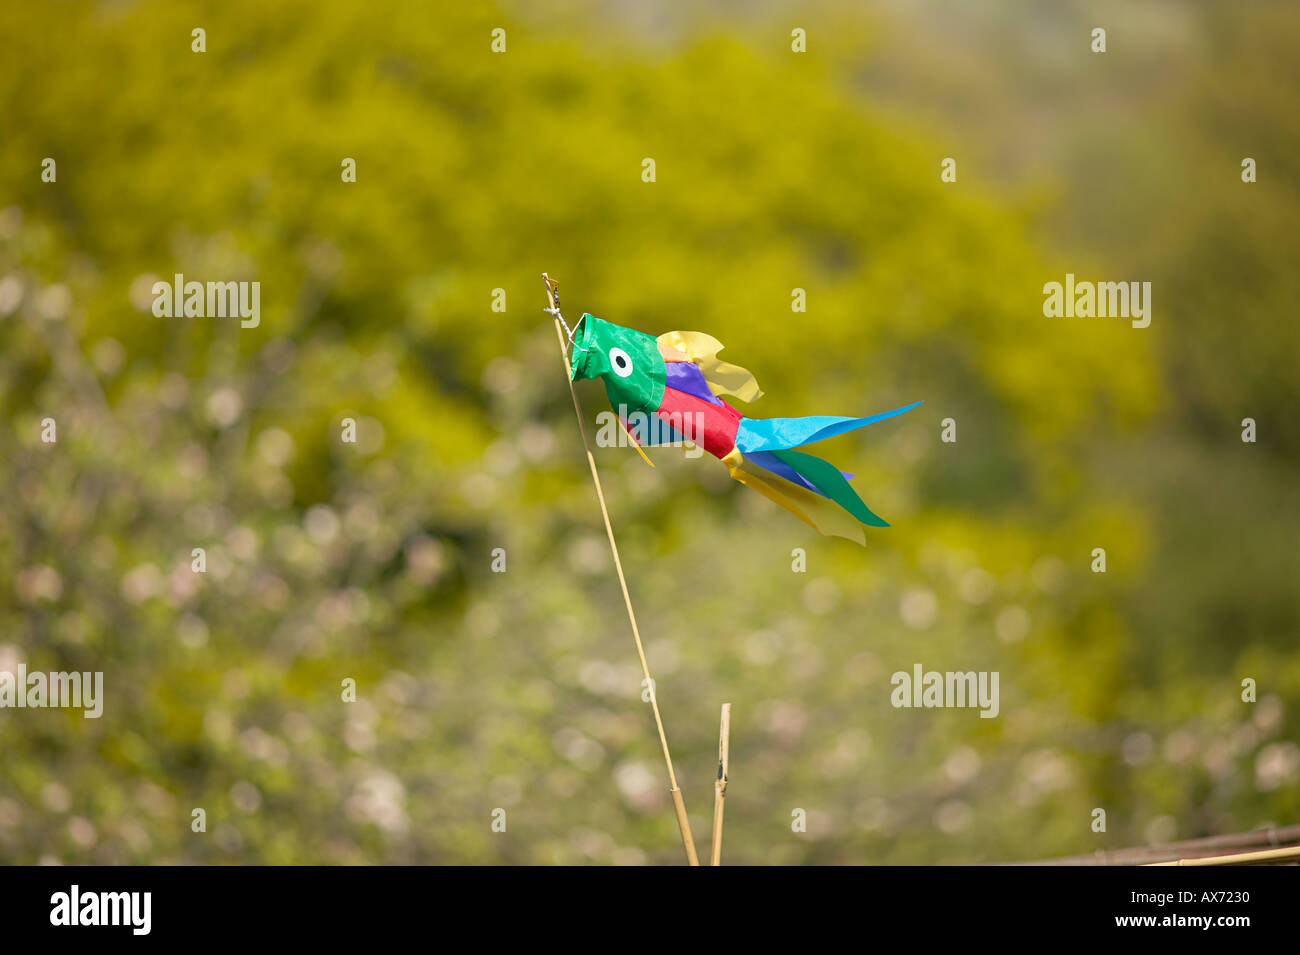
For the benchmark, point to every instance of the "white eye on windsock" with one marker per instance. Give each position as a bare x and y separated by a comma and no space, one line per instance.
620,362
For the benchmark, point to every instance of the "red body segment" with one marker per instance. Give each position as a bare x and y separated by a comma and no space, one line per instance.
711,426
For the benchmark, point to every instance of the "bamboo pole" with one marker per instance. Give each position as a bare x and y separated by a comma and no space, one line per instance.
1262,857
679,804
1272,838
720,784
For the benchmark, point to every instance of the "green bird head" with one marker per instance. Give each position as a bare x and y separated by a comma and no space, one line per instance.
627,361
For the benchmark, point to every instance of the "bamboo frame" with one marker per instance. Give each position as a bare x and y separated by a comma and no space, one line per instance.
679,804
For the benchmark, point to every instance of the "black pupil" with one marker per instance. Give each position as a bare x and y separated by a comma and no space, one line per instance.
620,360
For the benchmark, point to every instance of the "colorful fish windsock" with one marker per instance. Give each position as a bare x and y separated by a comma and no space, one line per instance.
667,390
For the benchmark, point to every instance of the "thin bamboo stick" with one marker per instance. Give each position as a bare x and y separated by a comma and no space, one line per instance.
1188,848
720,784
679,804
1261,857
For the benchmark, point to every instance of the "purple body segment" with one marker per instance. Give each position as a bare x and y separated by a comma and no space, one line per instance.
686,376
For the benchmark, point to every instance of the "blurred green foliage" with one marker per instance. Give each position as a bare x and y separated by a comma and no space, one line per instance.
477,690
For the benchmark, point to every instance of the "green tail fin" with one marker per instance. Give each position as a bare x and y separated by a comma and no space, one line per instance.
826,478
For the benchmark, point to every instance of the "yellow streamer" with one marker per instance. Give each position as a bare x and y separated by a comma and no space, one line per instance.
723,377
819,513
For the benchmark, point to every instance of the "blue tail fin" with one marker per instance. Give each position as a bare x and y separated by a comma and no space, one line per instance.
779,434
